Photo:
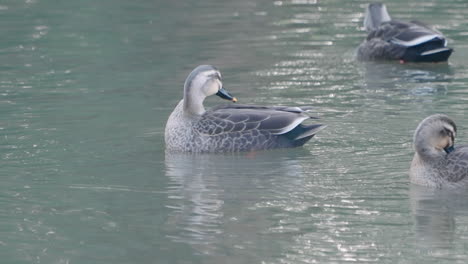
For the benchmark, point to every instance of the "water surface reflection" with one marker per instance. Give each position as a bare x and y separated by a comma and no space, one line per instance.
435,213
208,194
421,79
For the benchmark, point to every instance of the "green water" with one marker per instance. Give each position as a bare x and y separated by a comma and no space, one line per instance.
86,88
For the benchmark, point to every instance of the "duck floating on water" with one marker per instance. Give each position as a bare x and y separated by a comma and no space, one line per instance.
437,162
232,127
389,39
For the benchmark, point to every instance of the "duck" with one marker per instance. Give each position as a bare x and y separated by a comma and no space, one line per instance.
231,127
437,163
390,39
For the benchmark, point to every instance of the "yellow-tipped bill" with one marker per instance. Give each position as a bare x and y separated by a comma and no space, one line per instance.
225,95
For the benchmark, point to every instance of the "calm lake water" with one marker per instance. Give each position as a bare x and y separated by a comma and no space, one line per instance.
85,91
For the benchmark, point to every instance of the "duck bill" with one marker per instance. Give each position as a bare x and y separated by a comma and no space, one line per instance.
449,149
225,95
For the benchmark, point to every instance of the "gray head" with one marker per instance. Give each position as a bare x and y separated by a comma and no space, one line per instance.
376,14
435,136
203,81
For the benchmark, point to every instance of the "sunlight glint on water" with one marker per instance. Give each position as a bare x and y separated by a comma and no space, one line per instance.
85,92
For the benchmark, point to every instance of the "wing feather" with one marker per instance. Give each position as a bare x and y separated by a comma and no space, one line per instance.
405,34
457,164
244,118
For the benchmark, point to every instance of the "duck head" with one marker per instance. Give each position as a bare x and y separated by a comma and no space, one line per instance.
203,81
435,136
376,14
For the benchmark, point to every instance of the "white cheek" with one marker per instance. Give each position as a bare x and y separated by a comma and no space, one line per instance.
443,142
212,87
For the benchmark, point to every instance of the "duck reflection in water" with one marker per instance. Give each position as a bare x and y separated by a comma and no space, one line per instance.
414,79
211,196
434,212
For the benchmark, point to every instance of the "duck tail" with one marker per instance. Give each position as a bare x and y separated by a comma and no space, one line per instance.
305,131
376,14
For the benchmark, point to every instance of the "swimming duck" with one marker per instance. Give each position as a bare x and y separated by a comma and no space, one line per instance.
232,127
403,41
437,163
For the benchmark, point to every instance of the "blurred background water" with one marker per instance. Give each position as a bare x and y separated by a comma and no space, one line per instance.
86,88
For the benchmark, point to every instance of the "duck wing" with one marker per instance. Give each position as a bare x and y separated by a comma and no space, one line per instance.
416,33
292,109
245,118
457,164
405,34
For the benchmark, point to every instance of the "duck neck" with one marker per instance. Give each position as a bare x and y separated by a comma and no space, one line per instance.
193,104
418,160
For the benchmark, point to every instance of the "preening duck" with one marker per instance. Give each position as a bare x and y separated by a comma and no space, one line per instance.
437,162
390,39
232,127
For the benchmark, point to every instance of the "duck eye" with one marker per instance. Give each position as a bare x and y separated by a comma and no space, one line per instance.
215,75
446,132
